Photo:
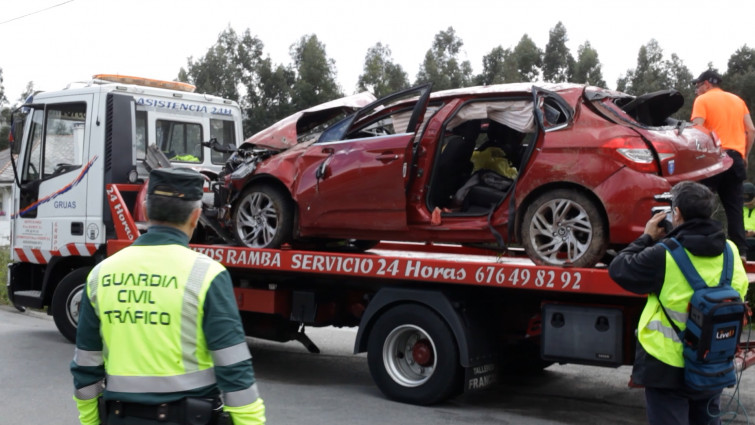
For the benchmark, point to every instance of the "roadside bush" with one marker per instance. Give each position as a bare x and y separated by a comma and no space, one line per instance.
4,260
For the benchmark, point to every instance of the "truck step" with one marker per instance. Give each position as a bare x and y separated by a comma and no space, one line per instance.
31,299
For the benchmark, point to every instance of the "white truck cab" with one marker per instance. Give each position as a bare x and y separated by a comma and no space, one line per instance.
73,142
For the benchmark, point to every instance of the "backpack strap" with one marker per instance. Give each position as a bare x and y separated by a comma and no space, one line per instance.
688,270
691,274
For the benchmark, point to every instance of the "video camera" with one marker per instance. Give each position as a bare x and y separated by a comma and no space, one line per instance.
666,223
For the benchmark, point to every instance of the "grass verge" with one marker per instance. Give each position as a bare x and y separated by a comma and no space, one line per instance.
4,260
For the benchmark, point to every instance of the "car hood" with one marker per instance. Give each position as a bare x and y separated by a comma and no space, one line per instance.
309,123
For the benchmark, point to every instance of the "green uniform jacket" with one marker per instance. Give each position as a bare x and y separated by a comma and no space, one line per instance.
221,325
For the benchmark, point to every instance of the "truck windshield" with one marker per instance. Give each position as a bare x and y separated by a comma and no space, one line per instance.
56,141
180,141
225,133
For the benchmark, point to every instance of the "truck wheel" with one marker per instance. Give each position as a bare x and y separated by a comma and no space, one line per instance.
66,302
413,357
263,217
564,227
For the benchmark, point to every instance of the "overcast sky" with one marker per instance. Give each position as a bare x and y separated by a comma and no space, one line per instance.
74,39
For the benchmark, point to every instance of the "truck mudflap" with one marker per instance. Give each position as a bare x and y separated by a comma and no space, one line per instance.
477,378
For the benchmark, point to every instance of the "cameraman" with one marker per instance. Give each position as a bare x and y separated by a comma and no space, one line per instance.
645,267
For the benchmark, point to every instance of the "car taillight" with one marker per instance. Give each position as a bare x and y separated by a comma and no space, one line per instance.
634,153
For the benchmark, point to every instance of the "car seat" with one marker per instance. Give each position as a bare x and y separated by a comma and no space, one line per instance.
454,167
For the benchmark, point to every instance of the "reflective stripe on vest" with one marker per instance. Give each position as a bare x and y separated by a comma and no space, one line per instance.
190,311
161,384
655,333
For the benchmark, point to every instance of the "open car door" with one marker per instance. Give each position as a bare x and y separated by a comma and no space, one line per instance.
355,175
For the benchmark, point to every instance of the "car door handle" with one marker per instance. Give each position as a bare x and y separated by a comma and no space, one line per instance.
387,157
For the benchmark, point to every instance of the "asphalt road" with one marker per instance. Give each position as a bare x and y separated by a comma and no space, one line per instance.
333,387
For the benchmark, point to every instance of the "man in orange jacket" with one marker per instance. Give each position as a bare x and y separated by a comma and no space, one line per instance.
727,115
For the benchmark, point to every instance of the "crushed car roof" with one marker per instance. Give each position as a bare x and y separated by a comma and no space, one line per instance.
283,134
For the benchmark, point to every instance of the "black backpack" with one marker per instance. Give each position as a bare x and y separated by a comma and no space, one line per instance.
714,323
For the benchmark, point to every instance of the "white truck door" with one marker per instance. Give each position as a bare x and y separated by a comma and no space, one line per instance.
55,167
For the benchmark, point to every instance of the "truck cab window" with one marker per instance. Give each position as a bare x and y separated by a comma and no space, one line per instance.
225,133
180,141
141,134
56,141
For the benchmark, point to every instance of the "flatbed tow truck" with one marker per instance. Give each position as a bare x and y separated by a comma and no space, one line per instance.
435,320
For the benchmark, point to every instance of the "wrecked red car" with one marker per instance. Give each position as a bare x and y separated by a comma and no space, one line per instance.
566,171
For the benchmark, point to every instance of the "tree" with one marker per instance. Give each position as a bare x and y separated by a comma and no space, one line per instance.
269,97
498,67
740,75
680,79
528,59
649,75
653,73
4,115
3,99
558,62
28,91
441,65
587,69
740,80
228,65
315,81
381,76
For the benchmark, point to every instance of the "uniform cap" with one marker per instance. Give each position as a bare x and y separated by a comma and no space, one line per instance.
181,183
709,75
748,189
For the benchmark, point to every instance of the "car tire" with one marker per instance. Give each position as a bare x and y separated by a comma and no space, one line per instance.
413,356
564,227
66,302
263,217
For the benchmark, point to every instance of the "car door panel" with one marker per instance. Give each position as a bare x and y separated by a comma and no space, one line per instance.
360,184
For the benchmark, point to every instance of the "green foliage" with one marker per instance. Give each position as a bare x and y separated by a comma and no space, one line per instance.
381,76
740,76
442,66
558,62
587,69
3,99
27,92
498,67
740,80
653,73
315,81
4,260
228,64
269,97
528,59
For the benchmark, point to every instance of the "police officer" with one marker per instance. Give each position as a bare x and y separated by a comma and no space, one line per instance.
645,267
159,335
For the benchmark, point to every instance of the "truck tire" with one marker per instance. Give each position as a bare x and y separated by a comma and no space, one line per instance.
413,356
564,227
66,302
263,217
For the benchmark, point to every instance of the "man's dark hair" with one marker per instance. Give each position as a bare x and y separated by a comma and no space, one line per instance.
170,210
693,200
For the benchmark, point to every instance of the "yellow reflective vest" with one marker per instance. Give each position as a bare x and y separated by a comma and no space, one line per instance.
749,218
655,333
125,299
